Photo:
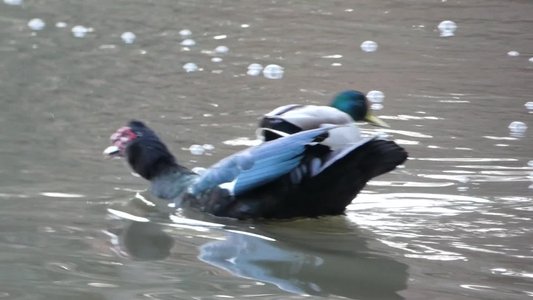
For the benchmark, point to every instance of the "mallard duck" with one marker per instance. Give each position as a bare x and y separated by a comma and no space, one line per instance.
345,108
296,175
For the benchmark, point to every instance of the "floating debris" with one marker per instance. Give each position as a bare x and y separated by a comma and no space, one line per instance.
197,150
369,46
36,24
128,37
13,2
222,49
188,43
375,96
254,69
80,31
447,28
190,67
273,72
185,32
513,53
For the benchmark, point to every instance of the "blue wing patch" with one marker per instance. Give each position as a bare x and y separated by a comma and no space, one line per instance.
258,165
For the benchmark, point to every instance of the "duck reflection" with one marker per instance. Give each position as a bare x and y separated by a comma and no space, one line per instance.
291,255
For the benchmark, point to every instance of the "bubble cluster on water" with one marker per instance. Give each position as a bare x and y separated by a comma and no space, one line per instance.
190,67
128,37
273,71
254,69
36,24
13,2
447,28
369,46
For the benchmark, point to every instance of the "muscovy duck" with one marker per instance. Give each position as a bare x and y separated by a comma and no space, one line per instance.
305,174
345,108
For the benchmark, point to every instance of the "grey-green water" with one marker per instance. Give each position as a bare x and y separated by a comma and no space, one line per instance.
454,223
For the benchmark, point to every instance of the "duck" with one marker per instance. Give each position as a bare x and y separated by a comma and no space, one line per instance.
310,173
345,108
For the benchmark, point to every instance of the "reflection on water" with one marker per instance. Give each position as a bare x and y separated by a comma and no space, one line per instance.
342,265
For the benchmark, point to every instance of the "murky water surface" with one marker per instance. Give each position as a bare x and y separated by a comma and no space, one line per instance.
454,223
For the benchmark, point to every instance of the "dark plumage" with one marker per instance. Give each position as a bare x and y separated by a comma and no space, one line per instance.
306,174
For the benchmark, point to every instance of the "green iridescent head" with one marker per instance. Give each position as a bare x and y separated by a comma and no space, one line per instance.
355,104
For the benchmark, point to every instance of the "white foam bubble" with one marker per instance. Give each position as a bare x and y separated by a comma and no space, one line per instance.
36,24
208,147
513,53
517,128
254,69
188,42
196,149
375,96
273,71
79,31
216,59
13,2
190,67
222,49
531,59
220,37
369,46
245,25
529,105
61,24
447,28
128,37
185,32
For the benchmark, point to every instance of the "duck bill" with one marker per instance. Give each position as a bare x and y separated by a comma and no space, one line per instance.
372,119
112,151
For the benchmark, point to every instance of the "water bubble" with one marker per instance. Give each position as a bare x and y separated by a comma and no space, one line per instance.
447,28
128,37
336,64
188,42
199,170
79,31
190,67
254,69
517,128
369,46
375,96
61,24
185,32
376,106
529,106
220,37
196,150
513,53
273,71
13,2
208,147
216,59
531,59
245,25
530,163
222,49
36,24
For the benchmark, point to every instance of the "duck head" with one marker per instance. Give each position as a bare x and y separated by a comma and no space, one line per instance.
357,106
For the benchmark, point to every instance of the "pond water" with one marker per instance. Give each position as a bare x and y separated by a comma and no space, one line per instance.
453,223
